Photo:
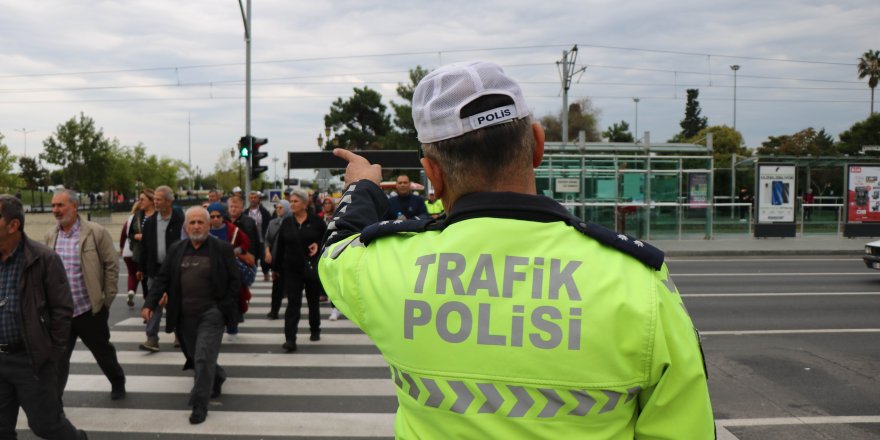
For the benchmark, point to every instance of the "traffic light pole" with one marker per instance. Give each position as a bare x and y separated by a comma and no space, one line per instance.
246,16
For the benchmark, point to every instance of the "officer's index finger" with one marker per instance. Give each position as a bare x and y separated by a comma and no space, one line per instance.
349,156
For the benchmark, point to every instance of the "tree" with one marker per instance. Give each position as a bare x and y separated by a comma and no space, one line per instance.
361,122
32,173
869,66
7,179
805,142
725,142
406,137
692,122
618,133
581,116
82,152
862,133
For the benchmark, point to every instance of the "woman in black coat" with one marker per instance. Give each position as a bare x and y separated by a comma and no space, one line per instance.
296,257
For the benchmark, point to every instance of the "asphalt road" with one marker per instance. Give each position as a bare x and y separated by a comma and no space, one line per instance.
791,347
791,344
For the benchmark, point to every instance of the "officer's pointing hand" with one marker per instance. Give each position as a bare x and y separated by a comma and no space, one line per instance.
358,167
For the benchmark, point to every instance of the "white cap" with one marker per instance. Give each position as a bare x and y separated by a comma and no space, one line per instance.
440,96
237,189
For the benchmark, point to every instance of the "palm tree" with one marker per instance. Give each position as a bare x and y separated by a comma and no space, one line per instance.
869,65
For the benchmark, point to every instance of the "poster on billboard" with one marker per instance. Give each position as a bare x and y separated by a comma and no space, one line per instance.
698,190
863,194
776,197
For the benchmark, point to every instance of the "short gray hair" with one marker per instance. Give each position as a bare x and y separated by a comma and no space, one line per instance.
72,195
168,193
300,194
196,209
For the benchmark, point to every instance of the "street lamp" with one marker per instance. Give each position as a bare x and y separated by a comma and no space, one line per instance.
636,130
734,67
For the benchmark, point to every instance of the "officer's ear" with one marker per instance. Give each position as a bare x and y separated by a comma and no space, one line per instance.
435,175
538,154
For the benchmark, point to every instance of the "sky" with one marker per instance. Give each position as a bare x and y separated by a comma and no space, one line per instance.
170,74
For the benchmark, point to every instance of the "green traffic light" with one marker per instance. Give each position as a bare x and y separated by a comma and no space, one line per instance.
244,152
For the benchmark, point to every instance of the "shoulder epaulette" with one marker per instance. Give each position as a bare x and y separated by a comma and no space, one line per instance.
390,227
644,252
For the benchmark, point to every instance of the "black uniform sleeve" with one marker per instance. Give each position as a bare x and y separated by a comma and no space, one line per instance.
363,204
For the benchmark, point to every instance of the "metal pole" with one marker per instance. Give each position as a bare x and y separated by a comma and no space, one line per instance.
734,67
636,130
732,184
189,149
246,16
25,131
566,72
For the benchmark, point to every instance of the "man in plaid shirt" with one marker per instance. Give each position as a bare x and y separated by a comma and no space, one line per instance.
92,266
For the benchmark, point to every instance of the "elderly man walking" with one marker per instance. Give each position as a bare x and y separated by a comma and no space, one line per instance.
32,281
92,266
199,285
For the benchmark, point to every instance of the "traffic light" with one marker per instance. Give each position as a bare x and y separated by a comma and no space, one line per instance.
244,147
257,156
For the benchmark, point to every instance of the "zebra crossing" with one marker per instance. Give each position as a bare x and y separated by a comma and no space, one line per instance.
338,387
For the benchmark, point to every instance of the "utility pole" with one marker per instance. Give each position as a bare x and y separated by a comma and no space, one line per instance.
636,130
25,131
735,68
567,70
246,17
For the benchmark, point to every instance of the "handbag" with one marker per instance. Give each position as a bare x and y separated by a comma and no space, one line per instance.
248,272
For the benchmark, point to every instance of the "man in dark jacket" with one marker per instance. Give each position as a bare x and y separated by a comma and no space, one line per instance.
199,284
405,205
32,280
261,217
163,229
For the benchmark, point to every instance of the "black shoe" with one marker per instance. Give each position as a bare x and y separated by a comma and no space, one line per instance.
218,387
289,346
118,392
199,414
272,315
316,336
82,434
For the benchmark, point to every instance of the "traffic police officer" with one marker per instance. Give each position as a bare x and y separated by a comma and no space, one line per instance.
510,318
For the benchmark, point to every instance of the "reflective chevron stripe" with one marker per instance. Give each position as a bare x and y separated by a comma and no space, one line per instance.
514,401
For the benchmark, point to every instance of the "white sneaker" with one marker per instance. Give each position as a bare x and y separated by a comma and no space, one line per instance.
131,298
334,314
231,337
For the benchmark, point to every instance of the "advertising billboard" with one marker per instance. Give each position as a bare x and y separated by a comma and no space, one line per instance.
698,190
776,197
863,194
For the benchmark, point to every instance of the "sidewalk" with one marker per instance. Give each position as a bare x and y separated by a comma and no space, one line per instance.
36,226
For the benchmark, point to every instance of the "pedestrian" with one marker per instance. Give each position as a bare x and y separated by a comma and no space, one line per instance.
92,267
518,319
33,283
235,211
261,216
405,205
224,230
282,211
296,257
809,199
146,209
199,285
160,231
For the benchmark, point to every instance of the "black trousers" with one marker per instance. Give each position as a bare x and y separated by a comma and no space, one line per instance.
200,338
293,287
95,333
36,393
277,293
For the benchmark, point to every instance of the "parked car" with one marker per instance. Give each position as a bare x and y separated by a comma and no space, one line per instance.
872,255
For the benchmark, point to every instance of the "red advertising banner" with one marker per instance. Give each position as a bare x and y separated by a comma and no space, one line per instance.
863,194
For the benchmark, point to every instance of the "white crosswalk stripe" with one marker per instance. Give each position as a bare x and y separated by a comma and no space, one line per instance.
336,387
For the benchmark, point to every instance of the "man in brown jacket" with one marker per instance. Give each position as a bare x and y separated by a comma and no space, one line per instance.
32,280
92,266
